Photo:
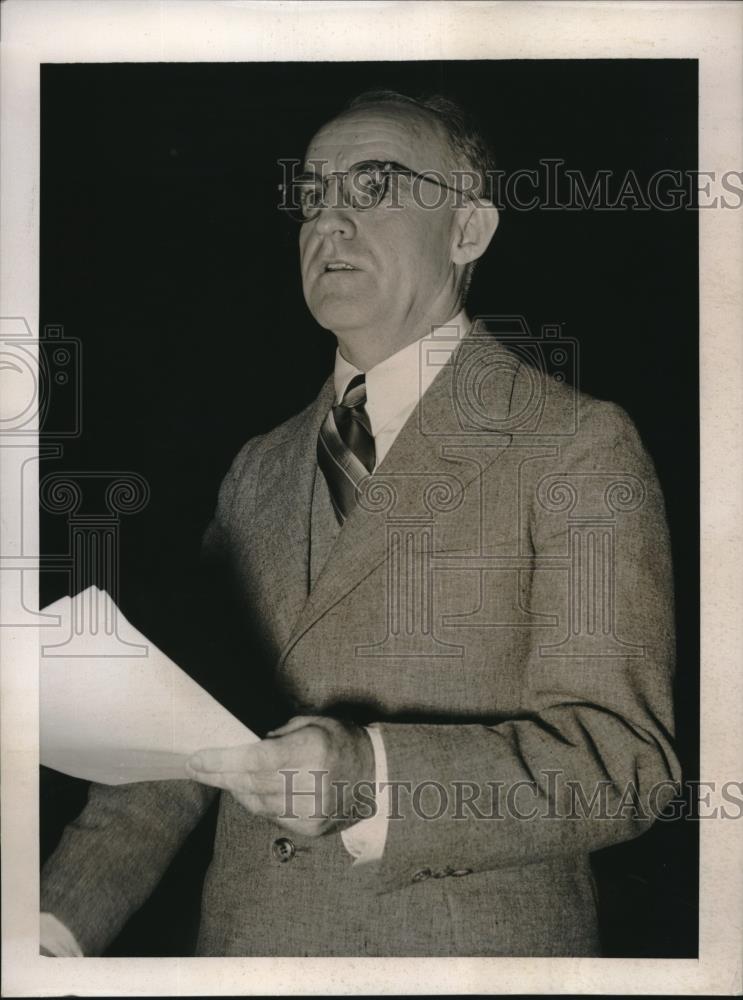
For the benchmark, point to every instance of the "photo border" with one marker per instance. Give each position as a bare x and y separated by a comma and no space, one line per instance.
41,31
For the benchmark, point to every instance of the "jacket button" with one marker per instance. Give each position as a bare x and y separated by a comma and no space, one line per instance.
422,875
458,872
283,849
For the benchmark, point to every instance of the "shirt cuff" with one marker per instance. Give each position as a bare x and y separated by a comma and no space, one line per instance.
365,840
57,939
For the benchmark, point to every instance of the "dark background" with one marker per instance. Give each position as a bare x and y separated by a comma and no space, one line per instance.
164,253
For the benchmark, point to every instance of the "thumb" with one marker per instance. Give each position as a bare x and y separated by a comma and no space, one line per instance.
295,723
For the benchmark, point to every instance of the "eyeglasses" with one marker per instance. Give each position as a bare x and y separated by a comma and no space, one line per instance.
361,187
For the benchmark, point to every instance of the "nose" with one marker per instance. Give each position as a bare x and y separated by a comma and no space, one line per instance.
335,220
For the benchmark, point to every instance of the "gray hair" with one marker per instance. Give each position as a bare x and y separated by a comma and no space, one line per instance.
468,145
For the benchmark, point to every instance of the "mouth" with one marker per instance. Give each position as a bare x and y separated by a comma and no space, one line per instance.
336,266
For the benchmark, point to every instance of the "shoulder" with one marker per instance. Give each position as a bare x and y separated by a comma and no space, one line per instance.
591,447
536,401
546,402
527,386
259,448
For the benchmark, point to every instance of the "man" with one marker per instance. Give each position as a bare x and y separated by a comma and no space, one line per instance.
457,568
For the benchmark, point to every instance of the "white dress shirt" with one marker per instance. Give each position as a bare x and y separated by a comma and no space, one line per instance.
393,389
395,386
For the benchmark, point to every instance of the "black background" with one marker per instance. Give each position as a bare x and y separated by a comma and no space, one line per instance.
162,250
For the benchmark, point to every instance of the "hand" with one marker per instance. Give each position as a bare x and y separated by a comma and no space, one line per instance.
306,775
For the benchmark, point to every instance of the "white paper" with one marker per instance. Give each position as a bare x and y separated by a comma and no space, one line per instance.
115,709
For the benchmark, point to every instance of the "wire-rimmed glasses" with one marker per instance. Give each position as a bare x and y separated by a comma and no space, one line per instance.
363,186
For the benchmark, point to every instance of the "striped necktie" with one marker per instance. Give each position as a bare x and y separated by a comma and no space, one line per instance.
345,447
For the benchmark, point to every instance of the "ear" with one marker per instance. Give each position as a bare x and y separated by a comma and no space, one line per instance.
474,226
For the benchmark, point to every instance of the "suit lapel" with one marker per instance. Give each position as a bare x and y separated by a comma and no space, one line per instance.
418,456
282,518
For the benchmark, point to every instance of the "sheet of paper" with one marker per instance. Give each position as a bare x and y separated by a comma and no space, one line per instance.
113,708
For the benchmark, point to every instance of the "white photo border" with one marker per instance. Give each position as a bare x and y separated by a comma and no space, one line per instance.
102,31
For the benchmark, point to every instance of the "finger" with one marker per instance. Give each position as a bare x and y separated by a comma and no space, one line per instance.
295,723
270,806
254,804
231,781
214,778
257,805
275,806
242,758
264,782
268,801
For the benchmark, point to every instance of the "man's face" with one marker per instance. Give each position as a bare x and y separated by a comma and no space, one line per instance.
403,278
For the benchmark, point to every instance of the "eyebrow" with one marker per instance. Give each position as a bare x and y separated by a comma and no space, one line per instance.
307,172
376,157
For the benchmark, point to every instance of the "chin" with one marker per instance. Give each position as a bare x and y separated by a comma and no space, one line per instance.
339,315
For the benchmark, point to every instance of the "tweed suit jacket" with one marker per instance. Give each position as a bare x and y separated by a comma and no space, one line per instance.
500,604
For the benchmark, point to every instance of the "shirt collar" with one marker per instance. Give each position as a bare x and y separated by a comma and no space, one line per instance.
396,384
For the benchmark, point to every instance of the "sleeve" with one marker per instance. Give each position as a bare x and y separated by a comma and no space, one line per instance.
112,856
588,761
